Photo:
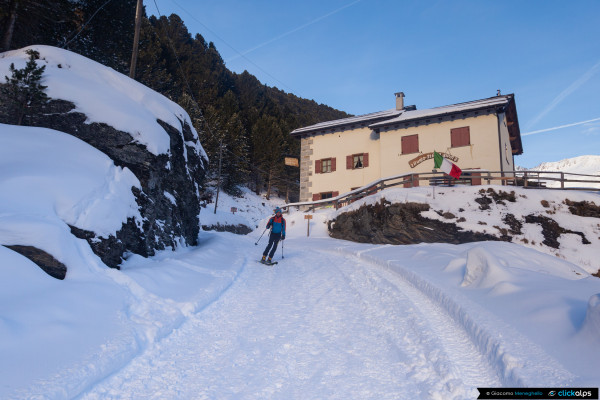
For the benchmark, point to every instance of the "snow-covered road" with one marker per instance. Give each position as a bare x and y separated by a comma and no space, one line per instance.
318,325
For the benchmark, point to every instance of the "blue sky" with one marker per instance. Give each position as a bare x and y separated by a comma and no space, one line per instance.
354,55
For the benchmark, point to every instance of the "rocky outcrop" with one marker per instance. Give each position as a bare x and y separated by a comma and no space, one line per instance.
169,201
239,229
399,223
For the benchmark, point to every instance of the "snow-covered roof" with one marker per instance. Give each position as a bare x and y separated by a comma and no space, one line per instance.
445,110
383,118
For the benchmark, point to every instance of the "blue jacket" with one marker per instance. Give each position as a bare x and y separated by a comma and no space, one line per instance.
277,225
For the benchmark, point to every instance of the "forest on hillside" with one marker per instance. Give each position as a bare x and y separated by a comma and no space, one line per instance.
236,116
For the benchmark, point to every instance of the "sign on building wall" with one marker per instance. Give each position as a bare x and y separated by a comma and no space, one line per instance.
428,156
292,162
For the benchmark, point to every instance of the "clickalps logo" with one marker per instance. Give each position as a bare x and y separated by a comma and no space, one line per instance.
578,394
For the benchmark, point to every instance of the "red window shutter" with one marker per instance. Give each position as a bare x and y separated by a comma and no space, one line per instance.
348,162
332,164
365,160
316,196
460,136
335,194
410,144
467,136
475,178
317,166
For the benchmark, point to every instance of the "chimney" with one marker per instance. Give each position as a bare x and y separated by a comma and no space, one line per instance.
399,100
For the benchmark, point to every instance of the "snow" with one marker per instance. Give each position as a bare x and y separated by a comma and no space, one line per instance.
49,179
105,95
251,210
334,319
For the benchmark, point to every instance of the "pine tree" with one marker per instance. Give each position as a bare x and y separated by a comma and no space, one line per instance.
104,31
23,92
28,22
152,67
235,159
267,140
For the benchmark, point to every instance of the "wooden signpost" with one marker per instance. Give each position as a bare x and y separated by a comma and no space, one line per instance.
308,217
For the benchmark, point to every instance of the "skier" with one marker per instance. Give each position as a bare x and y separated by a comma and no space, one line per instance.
277,225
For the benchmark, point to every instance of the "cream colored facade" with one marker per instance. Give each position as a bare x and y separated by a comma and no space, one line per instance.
490,146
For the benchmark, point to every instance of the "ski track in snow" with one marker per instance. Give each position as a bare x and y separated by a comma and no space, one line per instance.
308,328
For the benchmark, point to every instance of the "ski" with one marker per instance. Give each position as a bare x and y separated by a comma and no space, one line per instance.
268,263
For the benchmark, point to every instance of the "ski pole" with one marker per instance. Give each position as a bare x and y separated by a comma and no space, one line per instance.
282,242
256,244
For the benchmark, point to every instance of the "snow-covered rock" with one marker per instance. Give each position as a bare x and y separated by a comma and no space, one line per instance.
562,223
144,134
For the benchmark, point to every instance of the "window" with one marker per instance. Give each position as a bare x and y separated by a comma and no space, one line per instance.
325,165
325,195
460,137
410,144
356,161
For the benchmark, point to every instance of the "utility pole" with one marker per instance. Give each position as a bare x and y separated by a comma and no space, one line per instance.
136,37
219,181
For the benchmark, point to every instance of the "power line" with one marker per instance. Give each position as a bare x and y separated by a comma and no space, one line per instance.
86,24
314,21
180,67
206,124
233,48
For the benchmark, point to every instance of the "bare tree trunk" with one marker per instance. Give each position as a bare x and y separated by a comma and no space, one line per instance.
10,27
21,114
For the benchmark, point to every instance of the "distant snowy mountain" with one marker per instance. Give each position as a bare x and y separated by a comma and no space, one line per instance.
582,165
588,165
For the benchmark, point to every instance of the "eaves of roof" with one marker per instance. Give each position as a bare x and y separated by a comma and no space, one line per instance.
350,122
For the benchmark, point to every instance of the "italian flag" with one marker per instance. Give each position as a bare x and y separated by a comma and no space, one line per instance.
446,166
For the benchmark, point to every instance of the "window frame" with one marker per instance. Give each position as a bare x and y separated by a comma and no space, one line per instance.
351,163
358,158
320,165
324,162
